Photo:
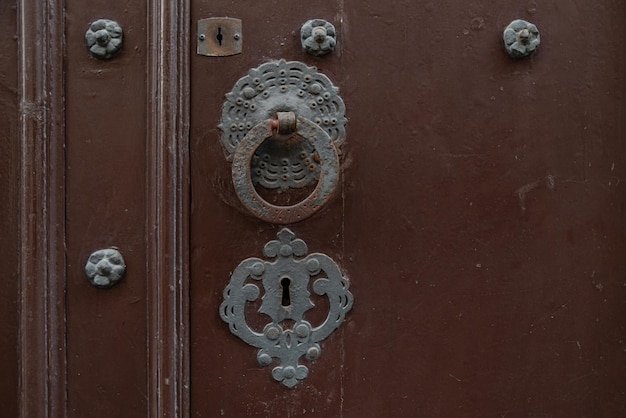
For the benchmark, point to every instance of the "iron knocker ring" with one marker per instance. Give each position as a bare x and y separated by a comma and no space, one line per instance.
285,123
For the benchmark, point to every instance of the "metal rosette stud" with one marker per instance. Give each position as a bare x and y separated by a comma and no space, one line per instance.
521,39
282,86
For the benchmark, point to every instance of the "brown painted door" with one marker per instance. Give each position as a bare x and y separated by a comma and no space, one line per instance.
479,216
479,212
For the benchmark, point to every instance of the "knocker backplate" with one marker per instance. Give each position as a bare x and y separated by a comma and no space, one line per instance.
286,284
281,86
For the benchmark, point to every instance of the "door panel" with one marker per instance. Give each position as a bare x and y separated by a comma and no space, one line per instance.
479,216
105,178
103,163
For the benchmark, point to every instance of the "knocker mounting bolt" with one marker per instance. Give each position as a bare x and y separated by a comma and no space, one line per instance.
284,124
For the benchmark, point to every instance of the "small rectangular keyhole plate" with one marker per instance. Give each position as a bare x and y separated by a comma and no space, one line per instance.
219,36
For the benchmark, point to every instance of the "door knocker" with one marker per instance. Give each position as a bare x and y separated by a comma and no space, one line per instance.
282,128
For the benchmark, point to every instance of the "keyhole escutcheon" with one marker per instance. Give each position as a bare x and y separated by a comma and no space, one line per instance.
219,36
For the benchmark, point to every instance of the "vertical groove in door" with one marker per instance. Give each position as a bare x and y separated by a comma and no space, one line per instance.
167,208
42,209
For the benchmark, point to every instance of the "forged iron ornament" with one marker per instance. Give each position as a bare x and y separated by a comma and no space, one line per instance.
104,38
105,268
281,86
521,38
285,294
318,37
287,162
328,171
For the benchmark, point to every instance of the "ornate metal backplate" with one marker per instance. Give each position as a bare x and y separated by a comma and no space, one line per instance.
285,296
281,86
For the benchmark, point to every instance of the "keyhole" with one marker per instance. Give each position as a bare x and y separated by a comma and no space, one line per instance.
219,36
286,299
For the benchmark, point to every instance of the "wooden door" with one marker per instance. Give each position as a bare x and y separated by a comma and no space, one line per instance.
478,216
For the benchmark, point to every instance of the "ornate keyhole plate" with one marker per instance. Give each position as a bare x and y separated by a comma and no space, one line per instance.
285,295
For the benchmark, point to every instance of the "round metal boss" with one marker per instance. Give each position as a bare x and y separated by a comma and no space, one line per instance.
521,38
104,38
105,268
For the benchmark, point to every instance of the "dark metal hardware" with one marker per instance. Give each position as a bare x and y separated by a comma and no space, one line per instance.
105,268
219,36
318,37
328,174
286,283
104,38
250,111
521,38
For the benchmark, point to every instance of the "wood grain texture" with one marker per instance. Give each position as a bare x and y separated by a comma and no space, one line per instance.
9,210
41,199
168,208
